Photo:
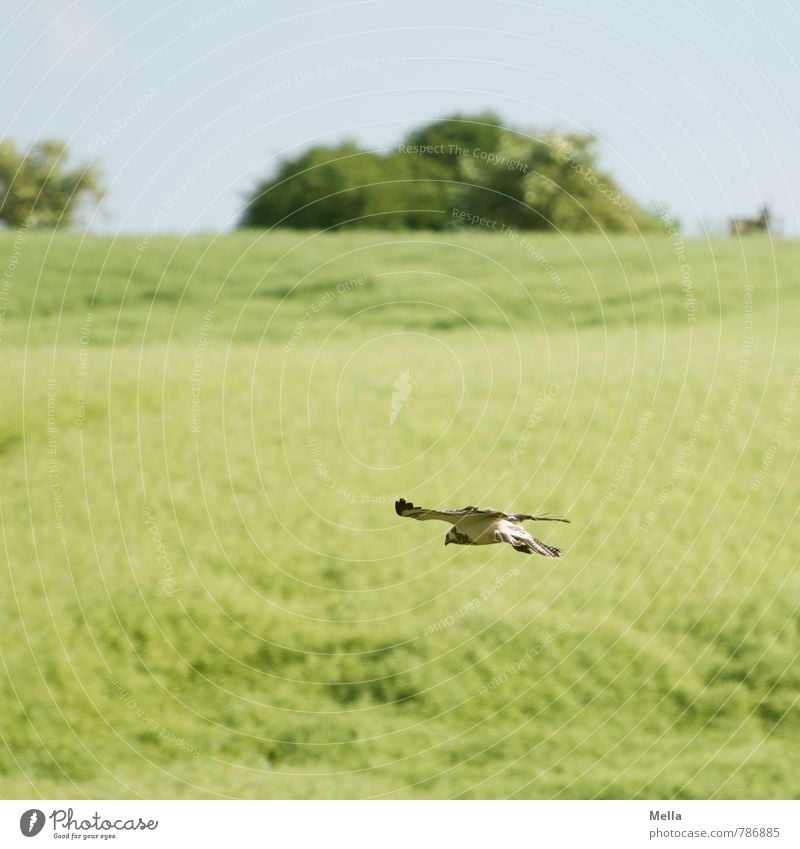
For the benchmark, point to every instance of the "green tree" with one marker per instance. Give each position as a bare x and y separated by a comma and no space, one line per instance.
323,187
38,189
433,157
522,180
452,139
548,181
411,194
345,186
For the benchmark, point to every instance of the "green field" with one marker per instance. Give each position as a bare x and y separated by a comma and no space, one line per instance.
206,591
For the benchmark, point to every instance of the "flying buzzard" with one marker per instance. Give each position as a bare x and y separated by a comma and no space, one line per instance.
484,526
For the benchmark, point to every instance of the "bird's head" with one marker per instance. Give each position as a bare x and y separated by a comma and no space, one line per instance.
450,536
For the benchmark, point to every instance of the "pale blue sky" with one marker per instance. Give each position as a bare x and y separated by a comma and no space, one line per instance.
188,103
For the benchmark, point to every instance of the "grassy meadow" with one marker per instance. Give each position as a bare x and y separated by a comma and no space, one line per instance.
206,591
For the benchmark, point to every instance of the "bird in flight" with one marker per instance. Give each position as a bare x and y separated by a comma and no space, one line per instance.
484,526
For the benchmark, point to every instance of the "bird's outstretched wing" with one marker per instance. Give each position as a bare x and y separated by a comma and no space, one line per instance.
406,508
521,517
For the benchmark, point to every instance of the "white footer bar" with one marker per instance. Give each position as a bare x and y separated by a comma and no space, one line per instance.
403,824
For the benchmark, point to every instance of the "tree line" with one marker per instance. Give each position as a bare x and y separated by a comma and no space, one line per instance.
456,172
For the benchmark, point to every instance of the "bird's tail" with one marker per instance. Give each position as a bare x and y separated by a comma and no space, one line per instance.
528,544
536,546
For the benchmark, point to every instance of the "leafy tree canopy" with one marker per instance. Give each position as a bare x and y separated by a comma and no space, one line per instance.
38,189
450,173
